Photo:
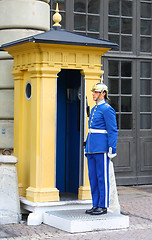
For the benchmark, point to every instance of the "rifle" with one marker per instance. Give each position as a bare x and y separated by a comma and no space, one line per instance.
88,114
87,107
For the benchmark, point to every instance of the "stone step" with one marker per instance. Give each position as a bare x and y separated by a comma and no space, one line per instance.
76,220
38,207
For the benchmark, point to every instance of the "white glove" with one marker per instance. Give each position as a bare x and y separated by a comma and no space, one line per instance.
110,155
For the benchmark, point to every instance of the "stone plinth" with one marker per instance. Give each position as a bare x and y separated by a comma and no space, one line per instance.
9,196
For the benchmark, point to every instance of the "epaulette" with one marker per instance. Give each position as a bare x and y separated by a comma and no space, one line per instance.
107,105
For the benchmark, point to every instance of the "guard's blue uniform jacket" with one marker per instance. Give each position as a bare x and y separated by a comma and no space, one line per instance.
101,140
102,133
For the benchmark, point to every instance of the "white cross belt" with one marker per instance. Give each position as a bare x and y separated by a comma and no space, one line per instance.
91,130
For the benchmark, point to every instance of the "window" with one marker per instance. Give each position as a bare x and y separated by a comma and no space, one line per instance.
120,23
146,26
120,91
145,95
28,91
87,17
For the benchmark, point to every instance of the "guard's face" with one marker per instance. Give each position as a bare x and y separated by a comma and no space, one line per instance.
95,95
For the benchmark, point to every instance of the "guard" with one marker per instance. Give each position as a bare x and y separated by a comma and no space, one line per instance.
100,148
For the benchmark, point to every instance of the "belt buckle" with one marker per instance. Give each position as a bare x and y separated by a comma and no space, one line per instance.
89,131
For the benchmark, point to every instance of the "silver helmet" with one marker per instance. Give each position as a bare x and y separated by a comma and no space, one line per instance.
100,87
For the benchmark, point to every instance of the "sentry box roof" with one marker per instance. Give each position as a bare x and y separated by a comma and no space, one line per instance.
58,36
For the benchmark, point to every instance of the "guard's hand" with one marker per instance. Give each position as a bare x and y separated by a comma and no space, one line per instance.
110,155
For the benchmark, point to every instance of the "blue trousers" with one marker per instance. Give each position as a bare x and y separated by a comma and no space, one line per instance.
98,166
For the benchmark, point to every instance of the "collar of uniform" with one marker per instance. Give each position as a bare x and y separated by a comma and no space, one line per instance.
100,102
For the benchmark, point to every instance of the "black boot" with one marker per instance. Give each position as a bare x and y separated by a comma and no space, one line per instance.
99,211
89,211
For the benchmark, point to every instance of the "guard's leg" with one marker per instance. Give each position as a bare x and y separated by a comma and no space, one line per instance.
93,178
102,166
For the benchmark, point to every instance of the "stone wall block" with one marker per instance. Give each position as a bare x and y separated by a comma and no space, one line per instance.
24,14
9,195
13,35
6,134
6,104
6,78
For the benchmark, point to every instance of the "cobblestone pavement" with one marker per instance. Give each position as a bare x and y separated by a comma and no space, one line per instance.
135,201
